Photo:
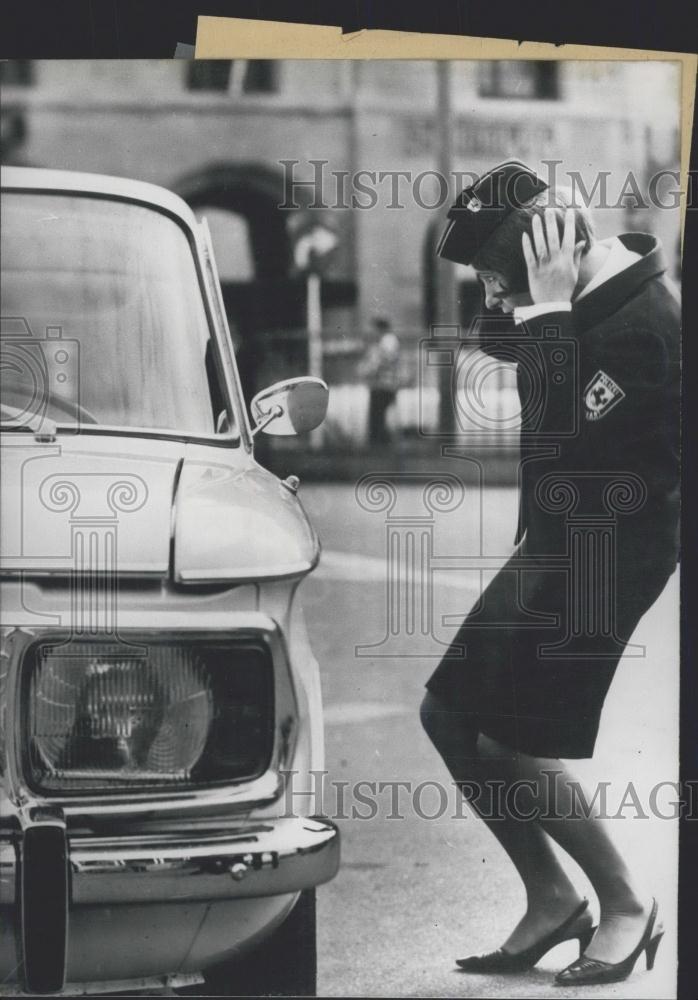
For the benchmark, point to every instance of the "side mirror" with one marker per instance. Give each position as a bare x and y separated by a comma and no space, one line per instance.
290,407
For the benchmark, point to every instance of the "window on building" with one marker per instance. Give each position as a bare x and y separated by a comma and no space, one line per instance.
260,76
16,72
511,78
230,235
208,74
238,76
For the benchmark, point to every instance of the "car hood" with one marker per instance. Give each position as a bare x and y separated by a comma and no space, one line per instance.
142,507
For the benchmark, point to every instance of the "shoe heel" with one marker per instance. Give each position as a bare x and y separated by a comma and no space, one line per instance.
585,939
651,950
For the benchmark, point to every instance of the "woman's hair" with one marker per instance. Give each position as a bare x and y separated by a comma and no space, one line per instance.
503,252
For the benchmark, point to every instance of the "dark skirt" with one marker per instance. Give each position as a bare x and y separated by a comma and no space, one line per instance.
533,661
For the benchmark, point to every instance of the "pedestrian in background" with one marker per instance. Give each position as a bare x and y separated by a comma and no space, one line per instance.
381,369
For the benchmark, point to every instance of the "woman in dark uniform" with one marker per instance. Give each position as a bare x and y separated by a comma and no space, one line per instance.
596,335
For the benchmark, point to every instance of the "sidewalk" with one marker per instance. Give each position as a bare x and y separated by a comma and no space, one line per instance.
418,455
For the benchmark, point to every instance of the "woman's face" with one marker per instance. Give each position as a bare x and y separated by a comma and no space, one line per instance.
497,296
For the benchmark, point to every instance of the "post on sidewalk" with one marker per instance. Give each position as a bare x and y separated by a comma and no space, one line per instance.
446,312
313,245
314,327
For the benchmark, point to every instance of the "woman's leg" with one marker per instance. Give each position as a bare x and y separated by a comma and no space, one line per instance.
551,896
586,837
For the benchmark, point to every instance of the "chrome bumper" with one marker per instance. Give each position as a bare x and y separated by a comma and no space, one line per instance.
128,986
251,859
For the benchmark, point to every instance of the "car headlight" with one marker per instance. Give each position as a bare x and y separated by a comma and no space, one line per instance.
109,717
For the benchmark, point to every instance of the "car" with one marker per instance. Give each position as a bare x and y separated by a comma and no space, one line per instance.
160,706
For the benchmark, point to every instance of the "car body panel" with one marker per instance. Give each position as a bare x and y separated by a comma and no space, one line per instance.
102,185
269,536
152,495
54,492
128,534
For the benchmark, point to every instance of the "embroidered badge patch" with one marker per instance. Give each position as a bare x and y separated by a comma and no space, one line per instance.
601,395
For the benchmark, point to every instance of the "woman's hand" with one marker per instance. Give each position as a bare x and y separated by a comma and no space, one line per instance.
553,267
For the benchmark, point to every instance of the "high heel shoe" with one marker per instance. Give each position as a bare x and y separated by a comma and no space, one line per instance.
589,971
506,961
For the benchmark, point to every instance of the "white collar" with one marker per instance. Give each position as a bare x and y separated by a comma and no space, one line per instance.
617,259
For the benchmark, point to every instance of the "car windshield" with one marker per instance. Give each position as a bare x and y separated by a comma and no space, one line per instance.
102,317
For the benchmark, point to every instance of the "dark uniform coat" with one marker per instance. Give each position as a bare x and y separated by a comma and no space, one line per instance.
598,516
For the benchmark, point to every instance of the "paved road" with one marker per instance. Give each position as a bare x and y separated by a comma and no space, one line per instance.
415,893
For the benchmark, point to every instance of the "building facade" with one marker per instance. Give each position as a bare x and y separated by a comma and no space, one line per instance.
266,148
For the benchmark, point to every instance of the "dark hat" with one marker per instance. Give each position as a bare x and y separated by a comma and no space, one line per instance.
480,208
